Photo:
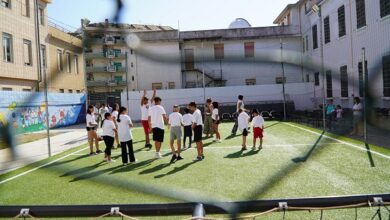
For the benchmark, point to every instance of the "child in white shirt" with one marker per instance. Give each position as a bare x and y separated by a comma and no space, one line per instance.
243,121
175,121
258,128
109,131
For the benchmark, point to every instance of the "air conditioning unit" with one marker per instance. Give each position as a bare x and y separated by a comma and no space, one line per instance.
109,40
111,69
110,54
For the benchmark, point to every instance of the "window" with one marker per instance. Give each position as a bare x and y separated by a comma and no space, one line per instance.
329,84
59,60
7,48
131,64
68,63
360,13
385,8
386,75
171,85
26,90
62,91
303,44
250,82
317,79
7,89
156,85
41,14
219,52
70,90
27,53
6,3
131,51
118,78
132,78
76,64
280,80
249,49
26,8
341,20
315,38
77,91
344,81
326,30
360,67
44,56
307,78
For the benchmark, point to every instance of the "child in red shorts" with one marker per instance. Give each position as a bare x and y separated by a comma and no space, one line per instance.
258,128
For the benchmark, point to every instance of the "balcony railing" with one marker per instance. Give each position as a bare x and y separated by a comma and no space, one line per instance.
101,41
101,83
105,69
101,55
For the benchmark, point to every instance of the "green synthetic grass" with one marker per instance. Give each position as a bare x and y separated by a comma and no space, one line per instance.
293,163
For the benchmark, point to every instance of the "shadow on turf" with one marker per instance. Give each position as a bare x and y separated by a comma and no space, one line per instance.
370,155
307,155
93,174
82,170
135,166
241,153
176,169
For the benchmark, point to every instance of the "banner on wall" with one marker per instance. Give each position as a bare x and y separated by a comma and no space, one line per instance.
27,111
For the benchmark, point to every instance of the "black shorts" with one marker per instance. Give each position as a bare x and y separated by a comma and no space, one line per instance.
198,130
158,134
91,128
188,131
245,132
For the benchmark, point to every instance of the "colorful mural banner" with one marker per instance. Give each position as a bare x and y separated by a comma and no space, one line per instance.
26,111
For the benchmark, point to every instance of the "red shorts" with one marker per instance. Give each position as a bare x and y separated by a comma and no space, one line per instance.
145,124
257,132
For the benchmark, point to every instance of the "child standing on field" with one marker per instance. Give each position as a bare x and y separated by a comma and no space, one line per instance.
243,121
109,132
258,128
125,136
188,120
175,121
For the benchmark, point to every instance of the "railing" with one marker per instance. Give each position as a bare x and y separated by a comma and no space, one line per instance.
110,83
105,69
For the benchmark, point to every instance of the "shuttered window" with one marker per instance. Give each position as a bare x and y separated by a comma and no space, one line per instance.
315,37
360,13
329,84
386,75
360,67
249,49
341,20
344,81
385,8
326,30
219,51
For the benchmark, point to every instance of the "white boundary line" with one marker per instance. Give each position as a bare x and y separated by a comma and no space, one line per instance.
38,167
343,142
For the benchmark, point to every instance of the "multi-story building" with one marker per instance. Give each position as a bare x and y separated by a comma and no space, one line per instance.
20,20
65,63
112,65
59,52
334,33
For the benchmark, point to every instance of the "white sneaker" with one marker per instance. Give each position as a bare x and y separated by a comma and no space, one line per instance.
157,155
111,161
215,140
219,141
134,162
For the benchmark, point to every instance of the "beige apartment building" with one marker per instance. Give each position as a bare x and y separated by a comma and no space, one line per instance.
19,66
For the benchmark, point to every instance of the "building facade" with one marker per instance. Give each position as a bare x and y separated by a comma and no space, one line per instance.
24,61
335,33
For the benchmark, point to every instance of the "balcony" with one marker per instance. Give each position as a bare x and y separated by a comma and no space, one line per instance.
97,41
110,83
101,55
105,69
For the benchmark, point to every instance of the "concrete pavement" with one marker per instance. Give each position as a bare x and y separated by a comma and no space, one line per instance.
24,154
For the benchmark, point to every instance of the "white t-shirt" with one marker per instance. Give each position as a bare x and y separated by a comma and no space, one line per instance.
357,109
114,114
258,122
108,128
156,113
124,132
339,113
175,119
103,111
197,117
144,112
215,114
90,119
243,120
188,119
242,105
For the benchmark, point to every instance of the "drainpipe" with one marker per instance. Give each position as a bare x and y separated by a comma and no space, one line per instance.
38,43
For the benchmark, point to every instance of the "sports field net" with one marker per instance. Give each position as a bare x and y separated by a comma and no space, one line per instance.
292,96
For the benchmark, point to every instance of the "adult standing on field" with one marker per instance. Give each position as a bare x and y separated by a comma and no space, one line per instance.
157,118
240,105
145,115
357,110
208,121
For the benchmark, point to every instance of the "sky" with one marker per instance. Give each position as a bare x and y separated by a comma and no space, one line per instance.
185,14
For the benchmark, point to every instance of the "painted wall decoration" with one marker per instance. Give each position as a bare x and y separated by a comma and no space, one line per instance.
27,113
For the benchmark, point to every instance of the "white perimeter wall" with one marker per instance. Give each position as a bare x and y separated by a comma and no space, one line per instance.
301,93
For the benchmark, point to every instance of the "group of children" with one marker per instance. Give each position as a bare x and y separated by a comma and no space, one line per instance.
117,126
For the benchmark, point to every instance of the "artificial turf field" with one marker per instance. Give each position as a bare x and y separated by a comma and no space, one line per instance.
296,161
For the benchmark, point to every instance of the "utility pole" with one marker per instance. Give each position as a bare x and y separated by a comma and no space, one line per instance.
203,79
284,81
364,94
42,68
